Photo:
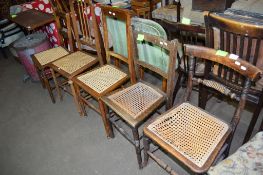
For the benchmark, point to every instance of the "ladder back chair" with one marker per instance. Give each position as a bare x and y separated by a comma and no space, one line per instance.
242,37
41,60
63,22
136,103
99,82
191,135
83,59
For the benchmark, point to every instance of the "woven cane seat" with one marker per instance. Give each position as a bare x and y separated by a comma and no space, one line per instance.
50,55
102,78
74,61
135,101
190,131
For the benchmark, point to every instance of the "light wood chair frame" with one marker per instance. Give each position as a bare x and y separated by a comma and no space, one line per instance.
115,113
252,74
63,20
77,8
79,86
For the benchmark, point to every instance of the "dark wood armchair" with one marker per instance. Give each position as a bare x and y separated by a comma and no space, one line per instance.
191,135
243,37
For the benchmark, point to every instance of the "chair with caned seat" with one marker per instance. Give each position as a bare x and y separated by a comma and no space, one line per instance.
192,136
63,22
240,35
65,68
136,103
99,82
43,59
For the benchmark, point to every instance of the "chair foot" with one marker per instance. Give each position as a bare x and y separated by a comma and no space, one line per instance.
137,146
47,85
146,148
106,122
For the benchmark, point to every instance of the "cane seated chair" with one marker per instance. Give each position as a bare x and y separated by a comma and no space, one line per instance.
75,63
238,35
43,59
191,135
138,102
101,81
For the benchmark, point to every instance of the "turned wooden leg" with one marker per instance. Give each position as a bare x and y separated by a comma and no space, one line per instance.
141,70
137,146
106,122
41,75
261,126
254,119
177,85
47,85
146,148
164,85
203,94
56,84
75,96
82,110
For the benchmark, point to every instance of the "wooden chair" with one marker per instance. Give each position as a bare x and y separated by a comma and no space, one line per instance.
192,136
99,82
148,52
238,36
136,103
43,59
79,61
186,34
63,22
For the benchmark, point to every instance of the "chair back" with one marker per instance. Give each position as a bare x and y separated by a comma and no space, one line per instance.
194,35
117,31
241,67
163,63
87,31
60,5
151,54
63,22
244,39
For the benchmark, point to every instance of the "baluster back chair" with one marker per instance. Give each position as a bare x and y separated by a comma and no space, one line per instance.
244,39
97,83
136,103
63,22
191,135
66,65
41,60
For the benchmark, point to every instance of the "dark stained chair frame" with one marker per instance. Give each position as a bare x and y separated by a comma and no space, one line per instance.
115,113
237,29
252,74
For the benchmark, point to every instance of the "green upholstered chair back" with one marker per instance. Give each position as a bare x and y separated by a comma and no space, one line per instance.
148,52
117,35
117,28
